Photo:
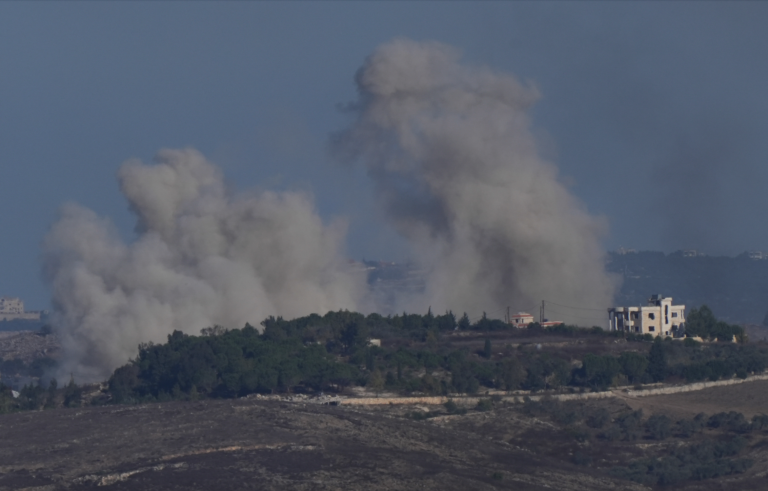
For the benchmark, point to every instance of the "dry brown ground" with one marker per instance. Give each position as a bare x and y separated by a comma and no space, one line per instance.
246,444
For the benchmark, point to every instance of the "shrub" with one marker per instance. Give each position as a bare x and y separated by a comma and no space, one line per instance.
598,418
659,426
484,405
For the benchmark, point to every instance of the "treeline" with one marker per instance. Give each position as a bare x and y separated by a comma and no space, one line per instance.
34,397
331,352
228,364
703,323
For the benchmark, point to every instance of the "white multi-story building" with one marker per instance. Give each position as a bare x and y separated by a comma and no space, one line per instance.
658,318
12,308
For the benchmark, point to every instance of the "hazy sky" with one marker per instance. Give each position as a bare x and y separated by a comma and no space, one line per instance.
656,113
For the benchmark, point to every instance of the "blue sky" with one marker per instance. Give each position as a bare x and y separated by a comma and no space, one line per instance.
656,113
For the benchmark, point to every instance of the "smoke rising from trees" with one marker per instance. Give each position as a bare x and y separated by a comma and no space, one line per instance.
458,174
204,256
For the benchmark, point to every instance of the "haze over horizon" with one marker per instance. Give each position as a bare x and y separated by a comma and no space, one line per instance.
654,114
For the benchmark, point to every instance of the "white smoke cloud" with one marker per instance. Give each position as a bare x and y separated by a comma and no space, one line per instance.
203,256
458,173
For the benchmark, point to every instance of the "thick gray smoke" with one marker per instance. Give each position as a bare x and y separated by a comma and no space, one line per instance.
204,256
459,175
457,171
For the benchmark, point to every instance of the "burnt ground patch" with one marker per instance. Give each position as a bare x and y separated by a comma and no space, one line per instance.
246,444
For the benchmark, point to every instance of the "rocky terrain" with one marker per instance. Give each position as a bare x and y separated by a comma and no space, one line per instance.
254,443
27,345
249,444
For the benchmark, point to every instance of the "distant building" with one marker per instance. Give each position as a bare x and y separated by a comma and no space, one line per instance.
757,255
622,251
521,319
548,323
12,308
658,318
692,253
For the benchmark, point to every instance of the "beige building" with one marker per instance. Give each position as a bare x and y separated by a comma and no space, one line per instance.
658,318
521,319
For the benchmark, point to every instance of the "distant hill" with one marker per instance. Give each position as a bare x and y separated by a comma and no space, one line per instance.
735,288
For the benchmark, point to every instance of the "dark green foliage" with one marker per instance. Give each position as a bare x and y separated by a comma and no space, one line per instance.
659,427
626,427
633,365
686,428
234,363
73,394
598,418
724,361
452,408
486,324
691,343
484,405
597,371
8,403
657,361
731,421
421,415
760,422
703,323
332,351
51,396
509,374
705,460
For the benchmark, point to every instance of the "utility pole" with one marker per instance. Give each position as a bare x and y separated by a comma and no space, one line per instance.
509,319
541,312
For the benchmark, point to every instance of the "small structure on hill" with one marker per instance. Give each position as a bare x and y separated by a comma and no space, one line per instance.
521,319
658,318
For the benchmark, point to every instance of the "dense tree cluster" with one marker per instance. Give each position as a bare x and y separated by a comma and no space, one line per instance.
703,323
229,364
333,351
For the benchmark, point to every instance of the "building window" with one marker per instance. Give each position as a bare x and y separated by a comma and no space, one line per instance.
634,315
651,316
651,328
674,314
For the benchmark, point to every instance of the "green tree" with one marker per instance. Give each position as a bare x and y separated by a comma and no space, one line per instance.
510,374
599,371
73,394
464,322
376,382
657,361
487,349
633,365
50,401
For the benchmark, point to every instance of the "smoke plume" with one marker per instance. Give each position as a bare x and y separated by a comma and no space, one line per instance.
458,174
203,256
456,170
